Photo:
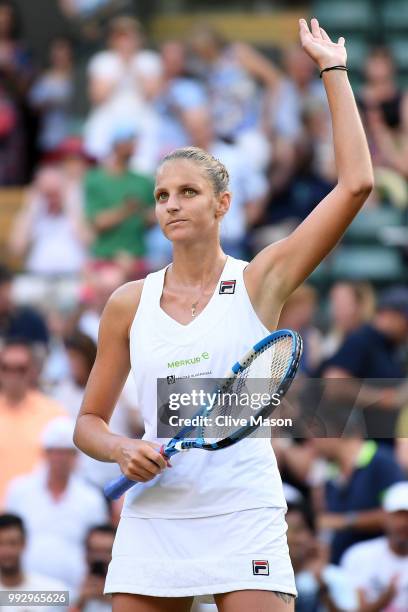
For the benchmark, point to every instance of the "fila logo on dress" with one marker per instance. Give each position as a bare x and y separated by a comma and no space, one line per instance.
260,568
227,286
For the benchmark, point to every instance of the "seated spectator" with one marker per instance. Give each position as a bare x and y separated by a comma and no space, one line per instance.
24,413
98,552
362,471
13,576
18,321
321,586
295,188
351,305
51,95
379,568
373,352
50,229
119,204
298,313
61,509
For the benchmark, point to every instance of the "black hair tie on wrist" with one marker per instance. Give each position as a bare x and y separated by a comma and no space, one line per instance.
333,68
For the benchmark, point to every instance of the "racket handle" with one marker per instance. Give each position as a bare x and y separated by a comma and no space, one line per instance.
116,488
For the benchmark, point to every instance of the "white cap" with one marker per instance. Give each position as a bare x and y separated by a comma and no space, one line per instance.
59,433
396,497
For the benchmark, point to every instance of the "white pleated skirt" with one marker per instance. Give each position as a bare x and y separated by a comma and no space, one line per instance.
202,556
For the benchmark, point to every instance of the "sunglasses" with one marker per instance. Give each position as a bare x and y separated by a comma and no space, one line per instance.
14,368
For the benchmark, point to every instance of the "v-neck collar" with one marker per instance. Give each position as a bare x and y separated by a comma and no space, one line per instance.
201,315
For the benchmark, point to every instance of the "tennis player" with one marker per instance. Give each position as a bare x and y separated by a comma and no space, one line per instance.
214,523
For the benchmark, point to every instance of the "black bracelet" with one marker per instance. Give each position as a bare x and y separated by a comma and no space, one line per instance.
333,68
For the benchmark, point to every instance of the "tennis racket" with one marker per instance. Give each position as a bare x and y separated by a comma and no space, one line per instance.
272,362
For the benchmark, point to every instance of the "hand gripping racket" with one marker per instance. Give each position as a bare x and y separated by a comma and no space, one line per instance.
272,363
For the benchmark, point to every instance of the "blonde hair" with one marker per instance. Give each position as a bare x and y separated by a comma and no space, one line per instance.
215,170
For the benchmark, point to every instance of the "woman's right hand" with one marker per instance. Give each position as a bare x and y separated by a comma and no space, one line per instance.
139,460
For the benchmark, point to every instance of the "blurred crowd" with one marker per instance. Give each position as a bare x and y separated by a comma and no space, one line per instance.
87,225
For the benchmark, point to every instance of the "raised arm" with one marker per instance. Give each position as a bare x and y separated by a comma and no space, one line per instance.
279,268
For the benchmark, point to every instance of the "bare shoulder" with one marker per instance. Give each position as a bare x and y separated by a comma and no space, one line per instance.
122,306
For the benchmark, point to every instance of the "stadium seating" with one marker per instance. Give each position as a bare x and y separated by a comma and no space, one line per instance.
369,224
346,15
370,263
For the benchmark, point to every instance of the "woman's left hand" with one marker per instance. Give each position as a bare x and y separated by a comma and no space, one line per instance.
318,45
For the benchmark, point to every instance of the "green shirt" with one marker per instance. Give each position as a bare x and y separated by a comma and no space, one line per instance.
104,192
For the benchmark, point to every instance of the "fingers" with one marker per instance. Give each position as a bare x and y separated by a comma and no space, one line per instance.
141,469
141,460
155,456
315,28
341,41
324,35
304,32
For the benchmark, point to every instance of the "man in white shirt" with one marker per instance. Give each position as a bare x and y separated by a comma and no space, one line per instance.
58,508
379,567
12,575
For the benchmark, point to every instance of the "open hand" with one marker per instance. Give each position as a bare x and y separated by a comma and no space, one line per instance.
319,46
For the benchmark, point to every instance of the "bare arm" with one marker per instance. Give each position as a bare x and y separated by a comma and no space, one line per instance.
277,270
138,459
20,235
257,65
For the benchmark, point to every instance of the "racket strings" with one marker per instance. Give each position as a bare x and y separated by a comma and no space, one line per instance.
263,375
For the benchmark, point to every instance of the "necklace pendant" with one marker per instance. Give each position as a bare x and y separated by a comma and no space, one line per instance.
193,310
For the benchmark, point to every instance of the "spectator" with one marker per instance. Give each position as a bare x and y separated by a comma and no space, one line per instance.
231,72
12,575
15,77
50,229
297,182
321,586
385,109
373,352
351,305
18,321
52,93
12,139
169,90
98,544
61,510
119,204
81,350
24,413
298,313
246,183
124,56
298,89
101,282
352,497
15,61
379,568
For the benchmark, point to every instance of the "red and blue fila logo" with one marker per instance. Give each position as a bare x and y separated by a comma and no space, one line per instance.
227,286
260,568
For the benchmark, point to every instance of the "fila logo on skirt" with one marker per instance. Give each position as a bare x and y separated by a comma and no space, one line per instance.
260,568
227,286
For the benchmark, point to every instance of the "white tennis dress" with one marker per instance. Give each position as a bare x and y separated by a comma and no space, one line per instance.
215,522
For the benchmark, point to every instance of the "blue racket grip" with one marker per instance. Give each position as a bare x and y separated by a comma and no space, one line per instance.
116,488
